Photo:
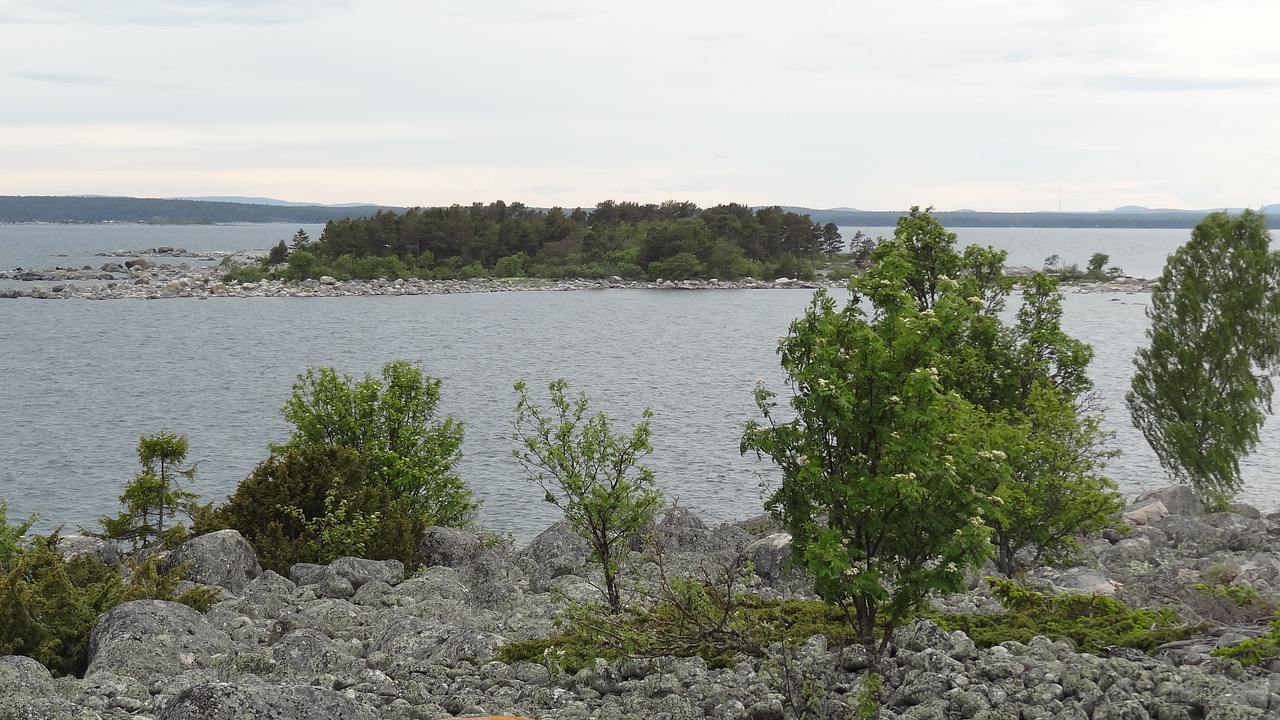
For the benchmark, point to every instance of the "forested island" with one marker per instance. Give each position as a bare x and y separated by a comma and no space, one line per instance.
672,240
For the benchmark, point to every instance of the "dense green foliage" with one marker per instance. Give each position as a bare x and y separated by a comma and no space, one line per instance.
1029,379
48,605
391,421
879,461
673,240
1093,623
924,424
1202,387
313,504
590,472
154,494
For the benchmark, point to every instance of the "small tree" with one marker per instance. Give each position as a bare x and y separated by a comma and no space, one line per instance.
882,467
830,242
1097,262
154,493
278,254
589,472
1201,390
300,240
392,421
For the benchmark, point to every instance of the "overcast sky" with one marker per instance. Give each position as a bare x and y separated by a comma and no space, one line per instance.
983,104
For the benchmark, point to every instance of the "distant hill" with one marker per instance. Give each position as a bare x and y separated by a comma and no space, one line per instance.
272,201
173,211
1125,217
193,211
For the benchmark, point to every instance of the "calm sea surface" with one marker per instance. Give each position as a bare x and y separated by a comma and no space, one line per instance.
82,380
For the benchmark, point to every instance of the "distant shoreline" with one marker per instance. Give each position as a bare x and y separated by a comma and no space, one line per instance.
165,281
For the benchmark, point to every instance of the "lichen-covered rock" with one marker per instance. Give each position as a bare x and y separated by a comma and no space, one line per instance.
555,552
147,639
70,546
222,559
222,701
1177,500
450,547
359,571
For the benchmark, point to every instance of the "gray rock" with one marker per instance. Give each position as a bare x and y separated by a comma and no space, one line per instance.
555,552
450,547
222,559
70,546
1177,499
221,701
360,571
307,654
771,556
146,639
679,530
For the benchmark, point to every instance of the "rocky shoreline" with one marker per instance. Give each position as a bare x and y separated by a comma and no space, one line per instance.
359,639
142,279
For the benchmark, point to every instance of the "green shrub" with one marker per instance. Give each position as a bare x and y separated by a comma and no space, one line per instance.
1092,622
286,510
245,274
48,605
1255,651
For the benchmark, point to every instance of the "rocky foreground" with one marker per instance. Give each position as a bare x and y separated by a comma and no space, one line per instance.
359,639
142,279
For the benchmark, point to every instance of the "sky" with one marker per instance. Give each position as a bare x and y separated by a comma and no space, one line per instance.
998,105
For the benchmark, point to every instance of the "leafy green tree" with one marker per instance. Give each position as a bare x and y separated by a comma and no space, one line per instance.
1097,262
302,265
300,240
392,421
154,493
998,366
681,266
1201,390
590,473
1055,489
883,468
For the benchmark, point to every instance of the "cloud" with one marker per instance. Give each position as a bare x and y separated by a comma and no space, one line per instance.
162,12
1134,83
61,78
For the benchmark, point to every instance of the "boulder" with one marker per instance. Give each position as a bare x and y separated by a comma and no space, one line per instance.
222,559
1177,500
223,701
146,639
679,530
770,555
306,655
1145,514
450,547
70,546
359,571
555,552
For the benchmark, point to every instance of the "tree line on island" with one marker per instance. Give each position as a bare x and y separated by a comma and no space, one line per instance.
672,240
935,420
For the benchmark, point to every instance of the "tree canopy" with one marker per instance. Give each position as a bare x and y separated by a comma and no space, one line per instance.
1201,390
392,421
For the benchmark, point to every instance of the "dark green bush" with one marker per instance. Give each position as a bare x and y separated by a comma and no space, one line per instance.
303,479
